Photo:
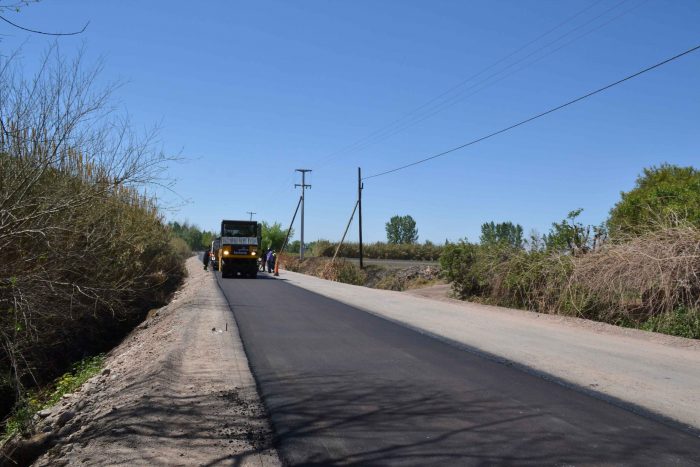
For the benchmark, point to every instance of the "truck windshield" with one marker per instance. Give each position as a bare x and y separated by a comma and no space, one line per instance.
238,230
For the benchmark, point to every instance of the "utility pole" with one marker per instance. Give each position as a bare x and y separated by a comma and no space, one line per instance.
359,209
303,186
251,214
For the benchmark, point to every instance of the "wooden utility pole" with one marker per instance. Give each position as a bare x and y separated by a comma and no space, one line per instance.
359,209
303,186
251,214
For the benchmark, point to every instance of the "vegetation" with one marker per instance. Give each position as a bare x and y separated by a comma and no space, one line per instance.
195,238
401,230
660,194
415,251
371,276
646,276
37,400
505,233
83,254
273,235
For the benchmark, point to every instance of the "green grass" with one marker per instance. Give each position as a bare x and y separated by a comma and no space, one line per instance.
681,322
20,419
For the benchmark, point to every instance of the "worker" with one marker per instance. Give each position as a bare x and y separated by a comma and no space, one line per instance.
270,260
205,259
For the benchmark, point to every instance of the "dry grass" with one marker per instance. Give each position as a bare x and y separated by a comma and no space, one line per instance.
651,280
644,276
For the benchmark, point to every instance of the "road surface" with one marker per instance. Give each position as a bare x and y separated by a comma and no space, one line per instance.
344,387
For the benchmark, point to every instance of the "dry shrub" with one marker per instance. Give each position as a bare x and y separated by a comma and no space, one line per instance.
531,280
83,252
325,268
644,276
340,271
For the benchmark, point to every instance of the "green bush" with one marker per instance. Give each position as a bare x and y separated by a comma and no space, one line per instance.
681,322
462,264
661,195
348,273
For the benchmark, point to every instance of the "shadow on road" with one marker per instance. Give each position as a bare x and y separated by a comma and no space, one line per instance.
391,422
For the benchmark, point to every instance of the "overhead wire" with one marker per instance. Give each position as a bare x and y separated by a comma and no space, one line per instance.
535,117
488,82
455,93
44,32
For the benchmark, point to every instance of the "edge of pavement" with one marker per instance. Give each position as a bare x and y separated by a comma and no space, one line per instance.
647,373
178,390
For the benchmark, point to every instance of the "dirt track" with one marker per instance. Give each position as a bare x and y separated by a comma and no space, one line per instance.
177,391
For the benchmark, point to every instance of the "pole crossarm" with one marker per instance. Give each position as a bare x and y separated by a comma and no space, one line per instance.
303,186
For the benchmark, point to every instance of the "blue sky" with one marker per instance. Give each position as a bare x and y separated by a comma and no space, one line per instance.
249,91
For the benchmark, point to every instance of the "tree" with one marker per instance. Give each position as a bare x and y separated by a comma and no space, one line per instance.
273,235
401,229
573,237
195,238
293,247
661,195
503,233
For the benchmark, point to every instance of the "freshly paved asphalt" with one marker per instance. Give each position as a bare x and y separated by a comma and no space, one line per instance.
344,387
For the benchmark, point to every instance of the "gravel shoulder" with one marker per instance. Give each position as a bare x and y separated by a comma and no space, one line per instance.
651,372
177,391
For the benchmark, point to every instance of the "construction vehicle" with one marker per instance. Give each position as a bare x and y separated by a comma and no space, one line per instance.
239,249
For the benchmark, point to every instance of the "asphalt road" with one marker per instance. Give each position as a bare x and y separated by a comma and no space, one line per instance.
344,387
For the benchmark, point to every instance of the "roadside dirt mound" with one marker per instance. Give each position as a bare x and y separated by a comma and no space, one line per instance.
177,391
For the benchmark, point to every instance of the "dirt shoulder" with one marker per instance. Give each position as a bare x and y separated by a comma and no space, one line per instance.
636,369
177,391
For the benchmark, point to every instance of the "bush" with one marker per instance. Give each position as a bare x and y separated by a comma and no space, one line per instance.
462,265
660,194
651,281
180,248
83,253
681,322
647,276
348,273
532,280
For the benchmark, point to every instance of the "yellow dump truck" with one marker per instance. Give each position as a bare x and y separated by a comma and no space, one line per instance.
239,249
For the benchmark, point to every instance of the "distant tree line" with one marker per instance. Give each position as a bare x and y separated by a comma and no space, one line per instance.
195,238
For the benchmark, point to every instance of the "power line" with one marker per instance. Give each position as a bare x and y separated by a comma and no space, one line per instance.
547,112
452,96
43,32
488,82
